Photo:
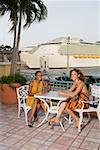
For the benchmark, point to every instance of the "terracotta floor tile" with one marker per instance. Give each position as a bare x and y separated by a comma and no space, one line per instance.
15,135
88,145
77,143
30,146
2,147
43,147
93,140
59,146
64,140
73,148
94,134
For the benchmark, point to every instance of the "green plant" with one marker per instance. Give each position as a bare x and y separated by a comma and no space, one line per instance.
7,79
18,78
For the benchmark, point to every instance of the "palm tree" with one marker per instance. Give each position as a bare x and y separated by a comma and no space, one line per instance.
30,11
10,6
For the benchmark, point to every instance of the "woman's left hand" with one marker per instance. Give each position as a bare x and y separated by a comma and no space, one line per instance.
61,93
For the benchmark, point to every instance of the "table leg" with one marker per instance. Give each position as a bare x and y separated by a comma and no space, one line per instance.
46,114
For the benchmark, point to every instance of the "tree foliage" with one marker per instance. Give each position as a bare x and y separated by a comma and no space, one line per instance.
27,11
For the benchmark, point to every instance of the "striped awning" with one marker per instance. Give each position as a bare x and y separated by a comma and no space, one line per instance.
87,56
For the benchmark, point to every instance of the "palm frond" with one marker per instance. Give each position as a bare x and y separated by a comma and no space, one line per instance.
34,10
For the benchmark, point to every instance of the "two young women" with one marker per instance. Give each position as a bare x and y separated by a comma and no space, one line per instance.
75,94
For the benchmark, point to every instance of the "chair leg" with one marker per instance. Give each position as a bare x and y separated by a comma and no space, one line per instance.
62,126
45,119
26,118
80,122
70,119
98,115
89,116
19,111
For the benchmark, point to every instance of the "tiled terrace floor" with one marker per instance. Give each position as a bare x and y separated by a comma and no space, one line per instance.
15,135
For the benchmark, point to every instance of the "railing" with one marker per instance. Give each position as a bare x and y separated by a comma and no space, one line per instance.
49,76
56,81
56,85
98,84
60,76
28,75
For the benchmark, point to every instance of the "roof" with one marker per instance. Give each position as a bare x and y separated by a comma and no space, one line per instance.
80,48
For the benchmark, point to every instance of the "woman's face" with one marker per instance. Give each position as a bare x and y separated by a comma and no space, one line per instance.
74,75
39,76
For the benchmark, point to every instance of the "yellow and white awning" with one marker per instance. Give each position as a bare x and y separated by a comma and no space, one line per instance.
87,56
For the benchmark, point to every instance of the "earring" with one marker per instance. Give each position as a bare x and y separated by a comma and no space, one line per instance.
79,75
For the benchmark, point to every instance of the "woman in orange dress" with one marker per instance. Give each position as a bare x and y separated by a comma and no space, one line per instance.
36,86
75,94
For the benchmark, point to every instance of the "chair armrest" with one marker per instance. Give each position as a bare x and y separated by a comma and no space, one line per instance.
96,100
89,102
85,102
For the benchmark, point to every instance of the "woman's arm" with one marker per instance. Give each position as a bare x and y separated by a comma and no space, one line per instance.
45,84
72,87
65,92
77,90
30,89
72,93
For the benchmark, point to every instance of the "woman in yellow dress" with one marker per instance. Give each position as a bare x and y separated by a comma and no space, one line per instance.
75,94
36,86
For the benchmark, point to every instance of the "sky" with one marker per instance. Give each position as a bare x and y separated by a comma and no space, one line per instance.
77,18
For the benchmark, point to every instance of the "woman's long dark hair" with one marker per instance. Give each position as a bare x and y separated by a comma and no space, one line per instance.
80,74
37,73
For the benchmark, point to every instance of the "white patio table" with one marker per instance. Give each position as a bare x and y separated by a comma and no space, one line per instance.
48,99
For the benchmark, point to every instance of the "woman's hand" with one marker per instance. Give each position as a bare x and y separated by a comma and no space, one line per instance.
31,94
62,93
43,92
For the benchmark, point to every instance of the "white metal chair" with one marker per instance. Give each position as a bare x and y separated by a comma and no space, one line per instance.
22,93
94,105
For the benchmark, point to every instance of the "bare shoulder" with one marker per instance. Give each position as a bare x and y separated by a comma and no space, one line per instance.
31,82
80,82
44,82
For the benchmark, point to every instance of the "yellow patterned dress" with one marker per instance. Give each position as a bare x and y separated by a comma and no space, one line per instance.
35,88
